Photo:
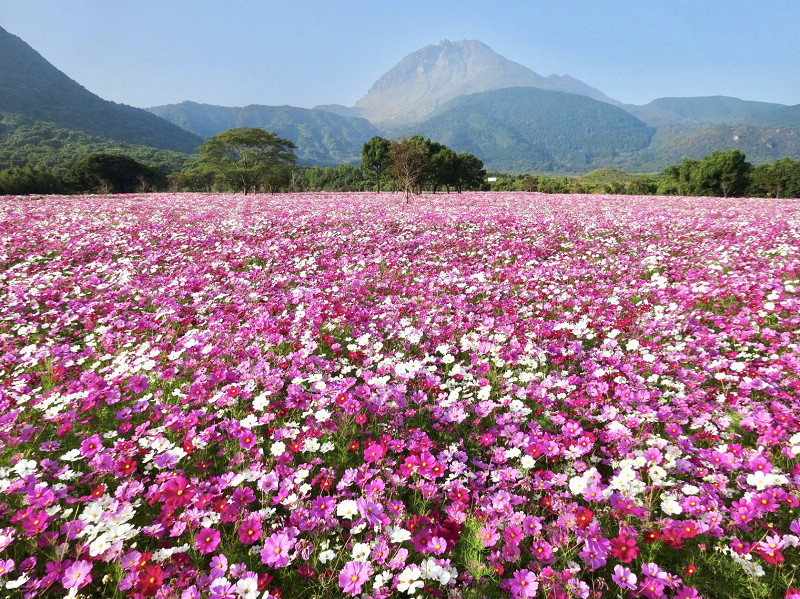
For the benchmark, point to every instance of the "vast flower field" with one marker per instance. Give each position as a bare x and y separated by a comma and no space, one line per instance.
321,395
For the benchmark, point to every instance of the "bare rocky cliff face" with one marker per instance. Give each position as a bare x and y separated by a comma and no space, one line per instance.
428,78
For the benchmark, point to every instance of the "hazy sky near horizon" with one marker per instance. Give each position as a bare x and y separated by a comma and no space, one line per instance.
305,52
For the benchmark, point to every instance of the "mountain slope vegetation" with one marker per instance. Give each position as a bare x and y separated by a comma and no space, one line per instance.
25,141
321,137
524,128
32,87
688,113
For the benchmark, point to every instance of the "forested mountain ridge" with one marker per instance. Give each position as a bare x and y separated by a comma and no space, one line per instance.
689,113
32,87
321,137
525,128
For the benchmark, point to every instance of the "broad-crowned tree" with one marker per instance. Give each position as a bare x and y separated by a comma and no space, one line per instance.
245,158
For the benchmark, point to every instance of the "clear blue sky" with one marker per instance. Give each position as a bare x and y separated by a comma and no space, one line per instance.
304,53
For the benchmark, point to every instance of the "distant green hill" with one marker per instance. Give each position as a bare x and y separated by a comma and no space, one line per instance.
764,143
528,129
691,113
32,87
322,137
26,141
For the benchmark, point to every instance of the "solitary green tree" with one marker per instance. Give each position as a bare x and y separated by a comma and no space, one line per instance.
245,158
375,158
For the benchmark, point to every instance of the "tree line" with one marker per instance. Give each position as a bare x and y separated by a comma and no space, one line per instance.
720,174
251,160
254,160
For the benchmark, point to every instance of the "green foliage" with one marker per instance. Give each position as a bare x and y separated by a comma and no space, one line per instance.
718,174
342,178
723,173
20,180
190,180
523,129
780,179
24,141
247,159
468,172
375,158
107,173
684,113
32,87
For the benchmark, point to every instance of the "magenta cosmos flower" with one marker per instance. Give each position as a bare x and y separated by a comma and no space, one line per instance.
207,540
353,576
138,383
250,530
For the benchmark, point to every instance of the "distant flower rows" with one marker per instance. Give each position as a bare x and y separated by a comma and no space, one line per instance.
499,395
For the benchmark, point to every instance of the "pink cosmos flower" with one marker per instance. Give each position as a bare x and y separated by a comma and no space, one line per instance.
177,493
523,584
489,536
207,540
91,445
437,545
624,578
276,550
651,588
35,521
593,558
543,552
219,566
353,576
373,453
6,566
78,575
250,530
247,439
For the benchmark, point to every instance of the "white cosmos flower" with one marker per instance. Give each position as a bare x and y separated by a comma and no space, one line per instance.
347,509
671,507
247,588
577,484
278,448
361,552
398,535
99,546
408,580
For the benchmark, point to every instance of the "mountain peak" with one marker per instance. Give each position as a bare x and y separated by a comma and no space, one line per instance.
435,74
